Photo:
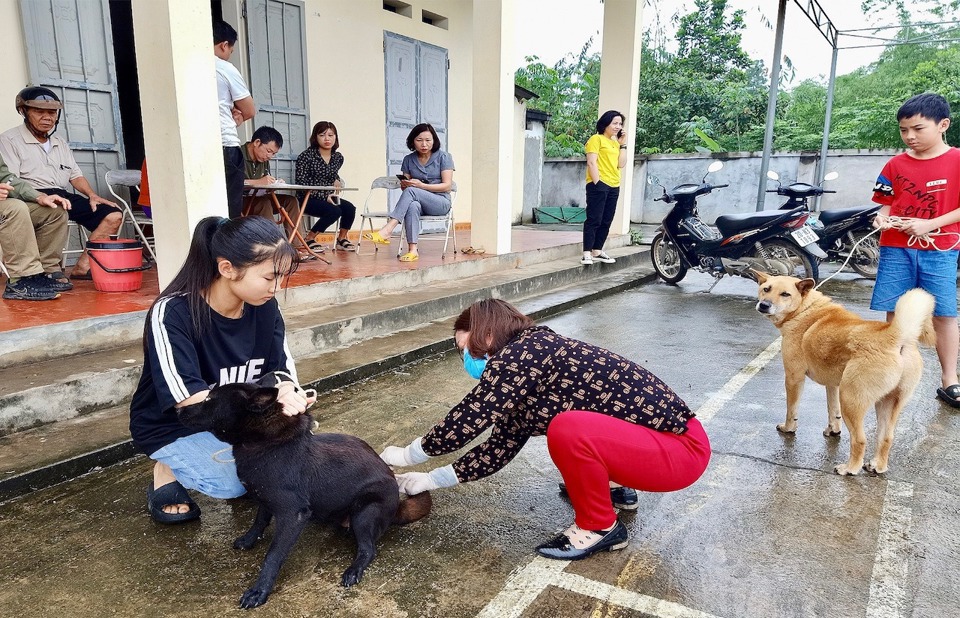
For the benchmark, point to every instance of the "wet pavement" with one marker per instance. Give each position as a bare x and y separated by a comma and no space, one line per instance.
768,531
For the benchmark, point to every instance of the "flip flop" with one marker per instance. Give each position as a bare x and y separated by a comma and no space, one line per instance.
87,276
376,238
171,493
950,395
473,251
409,257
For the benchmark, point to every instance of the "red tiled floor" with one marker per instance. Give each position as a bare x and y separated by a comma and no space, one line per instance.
85,301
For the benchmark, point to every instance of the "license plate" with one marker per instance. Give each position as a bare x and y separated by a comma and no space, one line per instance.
804,236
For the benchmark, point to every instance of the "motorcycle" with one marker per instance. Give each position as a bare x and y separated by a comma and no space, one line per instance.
839,230
777,242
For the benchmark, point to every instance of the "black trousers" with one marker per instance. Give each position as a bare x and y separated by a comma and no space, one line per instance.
327,214
234,172
601,207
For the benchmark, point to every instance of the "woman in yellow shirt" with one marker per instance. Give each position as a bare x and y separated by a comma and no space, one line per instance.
606,155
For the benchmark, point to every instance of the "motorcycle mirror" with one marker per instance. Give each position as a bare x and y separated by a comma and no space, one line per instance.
831,176
772,175
715,166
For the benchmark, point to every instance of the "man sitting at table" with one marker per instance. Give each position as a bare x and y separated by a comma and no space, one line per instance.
263,146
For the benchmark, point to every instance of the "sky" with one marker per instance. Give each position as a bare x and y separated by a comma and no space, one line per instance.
551,29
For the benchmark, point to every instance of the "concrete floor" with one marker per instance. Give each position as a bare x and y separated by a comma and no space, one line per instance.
768,531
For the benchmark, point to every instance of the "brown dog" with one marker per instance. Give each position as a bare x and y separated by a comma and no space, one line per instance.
860,362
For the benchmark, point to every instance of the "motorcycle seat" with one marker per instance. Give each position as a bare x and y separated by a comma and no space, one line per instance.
832,216
733,224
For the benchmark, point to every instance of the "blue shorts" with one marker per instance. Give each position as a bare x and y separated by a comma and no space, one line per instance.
202,462
902,270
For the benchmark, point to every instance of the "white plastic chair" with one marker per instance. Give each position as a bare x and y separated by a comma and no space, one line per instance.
385,183
81,235
131,178
448,226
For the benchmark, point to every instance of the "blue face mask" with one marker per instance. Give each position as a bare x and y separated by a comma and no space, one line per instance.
473,366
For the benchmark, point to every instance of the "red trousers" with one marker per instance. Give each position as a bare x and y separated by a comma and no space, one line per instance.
592,449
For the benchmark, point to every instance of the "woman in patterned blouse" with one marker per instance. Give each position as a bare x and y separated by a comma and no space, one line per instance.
426,180
610,424
319,165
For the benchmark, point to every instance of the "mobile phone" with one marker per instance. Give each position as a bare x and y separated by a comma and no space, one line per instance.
619,133
401,177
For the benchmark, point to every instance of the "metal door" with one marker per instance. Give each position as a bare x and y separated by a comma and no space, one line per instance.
416,91
69,46
278,76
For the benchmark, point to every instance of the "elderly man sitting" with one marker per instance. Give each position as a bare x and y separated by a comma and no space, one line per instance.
33,153
264,144
33,230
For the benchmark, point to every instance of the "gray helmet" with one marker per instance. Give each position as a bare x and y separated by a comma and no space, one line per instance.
40,98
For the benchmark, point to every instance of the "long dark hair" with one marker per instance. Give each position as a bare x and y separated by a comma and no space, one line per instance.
492,320
244,242
321,127
606,118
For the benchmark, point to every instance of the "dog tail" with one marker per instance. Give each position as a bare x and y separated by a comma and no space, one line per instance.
413,508
913,318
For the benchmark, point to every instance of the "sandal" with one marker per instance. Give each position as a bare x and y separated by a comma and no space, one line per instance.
346,245
950,395
306,256
376,238
87,276
409,257
473,251
166,495
315,246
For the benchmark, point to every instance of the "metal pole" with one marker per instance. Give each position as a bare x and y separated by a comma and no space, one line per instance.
822,162
771,105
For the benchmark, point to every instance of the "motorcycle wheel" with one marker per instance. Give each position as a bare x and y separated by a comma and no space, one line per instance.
866,258
790,260
666,260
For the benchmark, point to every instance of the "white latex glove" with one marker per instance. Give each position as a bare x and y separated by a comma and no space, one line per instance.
413,483
400,457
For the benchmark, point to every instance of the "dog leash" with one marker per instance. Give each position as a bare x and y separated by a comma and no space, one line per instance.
924,241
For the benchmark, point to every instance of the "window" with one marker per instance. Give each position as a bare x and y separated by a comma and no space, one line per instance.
435,20
398,7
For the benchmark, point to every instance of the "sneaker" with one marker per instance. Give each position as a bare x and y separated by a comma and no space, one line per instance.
586,260
561,547
58,281
622,497
603,257
34,287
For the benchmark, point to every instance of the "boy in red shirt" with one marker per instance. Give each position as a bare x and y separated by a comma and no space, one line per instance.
920,193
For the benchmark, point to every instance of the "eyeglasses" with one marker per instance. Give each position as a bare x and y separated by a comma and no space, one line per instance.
458,349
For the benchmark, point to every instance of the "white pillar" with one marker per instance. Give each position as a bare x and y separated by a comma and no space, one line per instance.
493,131
181,122
619,86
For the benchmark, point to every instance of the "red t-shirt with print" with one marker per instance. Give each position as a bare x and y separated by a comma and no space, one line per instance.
920,189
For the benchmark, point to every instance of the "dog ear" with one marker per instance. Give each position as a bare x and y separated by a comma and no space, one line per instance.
805,285
263,399
759,275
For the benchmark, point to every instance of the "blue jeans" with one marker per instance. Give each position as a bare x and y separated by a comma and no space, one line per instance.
901,270
202,462
414,202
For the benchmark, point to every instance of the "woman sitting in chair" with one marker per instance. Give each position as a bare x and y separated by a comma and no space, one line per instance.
319,165
426,182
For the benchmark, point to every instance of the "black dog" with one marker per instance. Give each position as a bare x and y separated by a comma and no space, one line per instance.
297,476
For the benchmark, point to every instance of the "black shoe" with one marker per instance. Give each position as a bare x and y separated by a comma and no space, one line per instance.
34,287
58,281
560,547
622,497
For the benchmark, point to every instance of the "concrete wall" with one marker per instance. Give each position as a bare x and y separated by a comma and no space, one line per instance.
563,180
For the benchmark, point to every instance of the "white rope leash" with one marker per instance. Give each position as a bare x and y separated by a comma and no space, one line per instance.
924,241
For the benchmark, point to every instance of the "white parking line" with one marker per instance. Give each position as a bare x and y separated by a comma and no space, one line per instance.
734,384
526,584
887,595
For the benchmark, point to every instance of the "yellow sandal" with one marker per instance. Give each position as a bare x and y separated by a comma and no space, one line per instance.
376,238
409,257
